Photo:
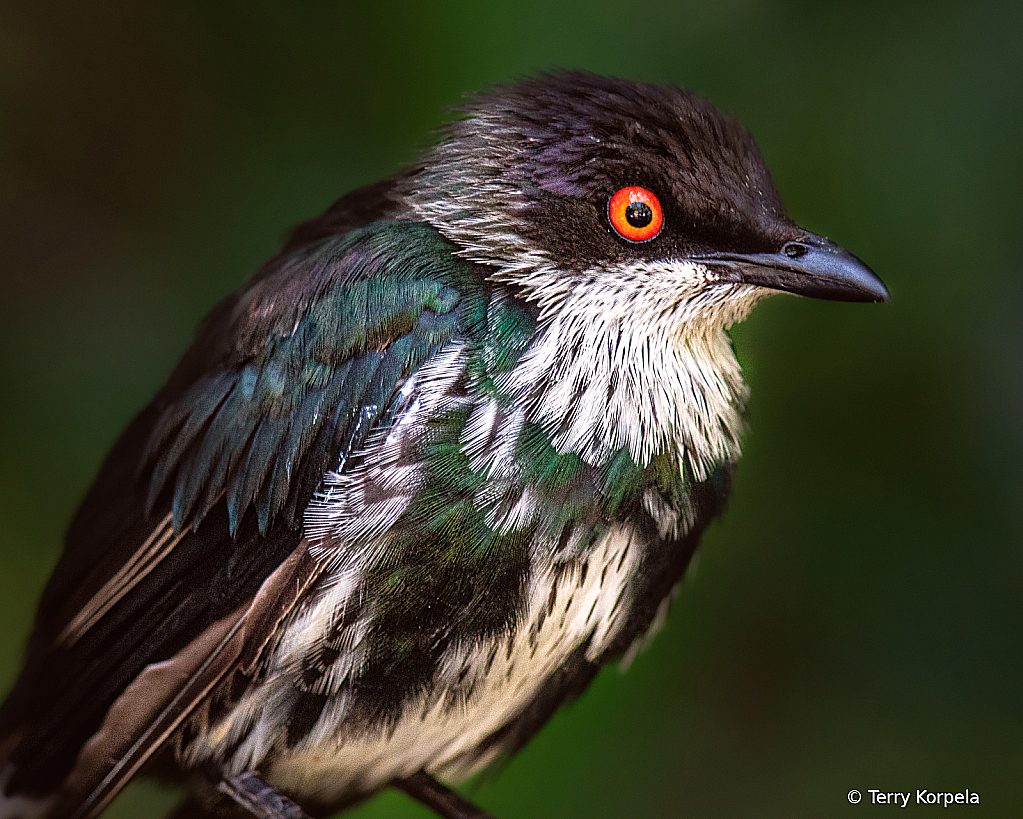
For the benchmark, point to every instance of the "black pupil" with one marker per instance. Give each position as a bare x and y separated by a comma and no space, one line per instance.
639,214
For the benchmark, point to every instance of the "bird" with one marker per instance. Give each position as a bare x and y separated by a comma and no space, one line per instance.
445,455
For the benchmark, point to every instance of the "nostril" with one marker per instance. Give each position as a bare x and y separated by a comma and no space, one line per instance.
794,250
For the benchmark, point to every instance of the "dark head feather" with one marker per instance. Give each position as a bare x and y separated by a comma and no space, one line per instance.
546,154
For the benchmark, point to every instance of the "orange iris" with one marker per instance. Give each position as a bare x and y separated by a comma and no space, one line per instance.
635,213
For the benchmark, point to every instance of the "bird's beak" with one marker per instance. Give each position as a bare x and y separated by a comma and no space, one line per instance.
812,266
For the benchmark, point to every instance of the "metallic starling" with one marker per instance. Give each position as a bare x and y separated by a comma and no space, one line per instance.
446,454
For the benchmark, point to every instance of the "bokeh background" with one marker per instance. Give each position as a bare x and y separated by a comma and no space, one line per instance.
854,620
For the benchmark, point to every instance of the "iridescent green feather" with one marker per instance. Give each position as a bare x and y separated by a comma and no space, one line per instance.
386,297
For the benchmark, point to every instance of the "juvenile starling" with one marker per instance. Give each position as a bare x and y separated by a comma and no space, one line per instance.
442,458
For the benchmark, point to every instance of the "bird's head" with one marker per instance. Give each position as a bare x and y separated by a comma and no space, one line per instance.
643,222
578,180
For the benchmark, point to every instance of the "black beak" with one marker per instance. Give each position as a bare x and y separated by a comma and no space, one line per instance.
812,266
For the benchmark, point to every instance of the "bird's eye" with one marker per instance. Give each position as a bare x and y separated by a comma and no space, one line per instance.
635,214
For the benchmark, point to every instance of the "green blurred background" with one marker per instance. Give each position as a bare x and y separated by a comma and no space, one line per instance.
854,620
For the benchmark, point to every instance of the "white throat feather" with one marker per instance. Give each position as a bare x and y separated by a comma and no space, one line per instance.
637,356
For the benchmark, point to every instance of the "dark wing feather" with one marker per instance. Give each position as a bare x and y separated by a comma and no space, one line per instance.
200,501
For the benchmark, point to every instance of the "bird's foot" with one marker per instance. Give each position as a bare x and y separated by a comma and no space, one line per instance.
258,798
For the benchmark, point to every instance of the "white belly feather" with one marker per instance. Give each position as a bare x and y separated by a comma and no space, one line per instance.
589,602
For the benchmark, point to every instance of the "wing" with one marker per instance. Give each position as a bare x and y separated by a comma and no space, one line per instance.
188,549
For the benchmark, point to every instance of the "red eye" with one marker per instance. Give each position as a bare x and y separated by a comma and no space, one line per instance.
635,213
